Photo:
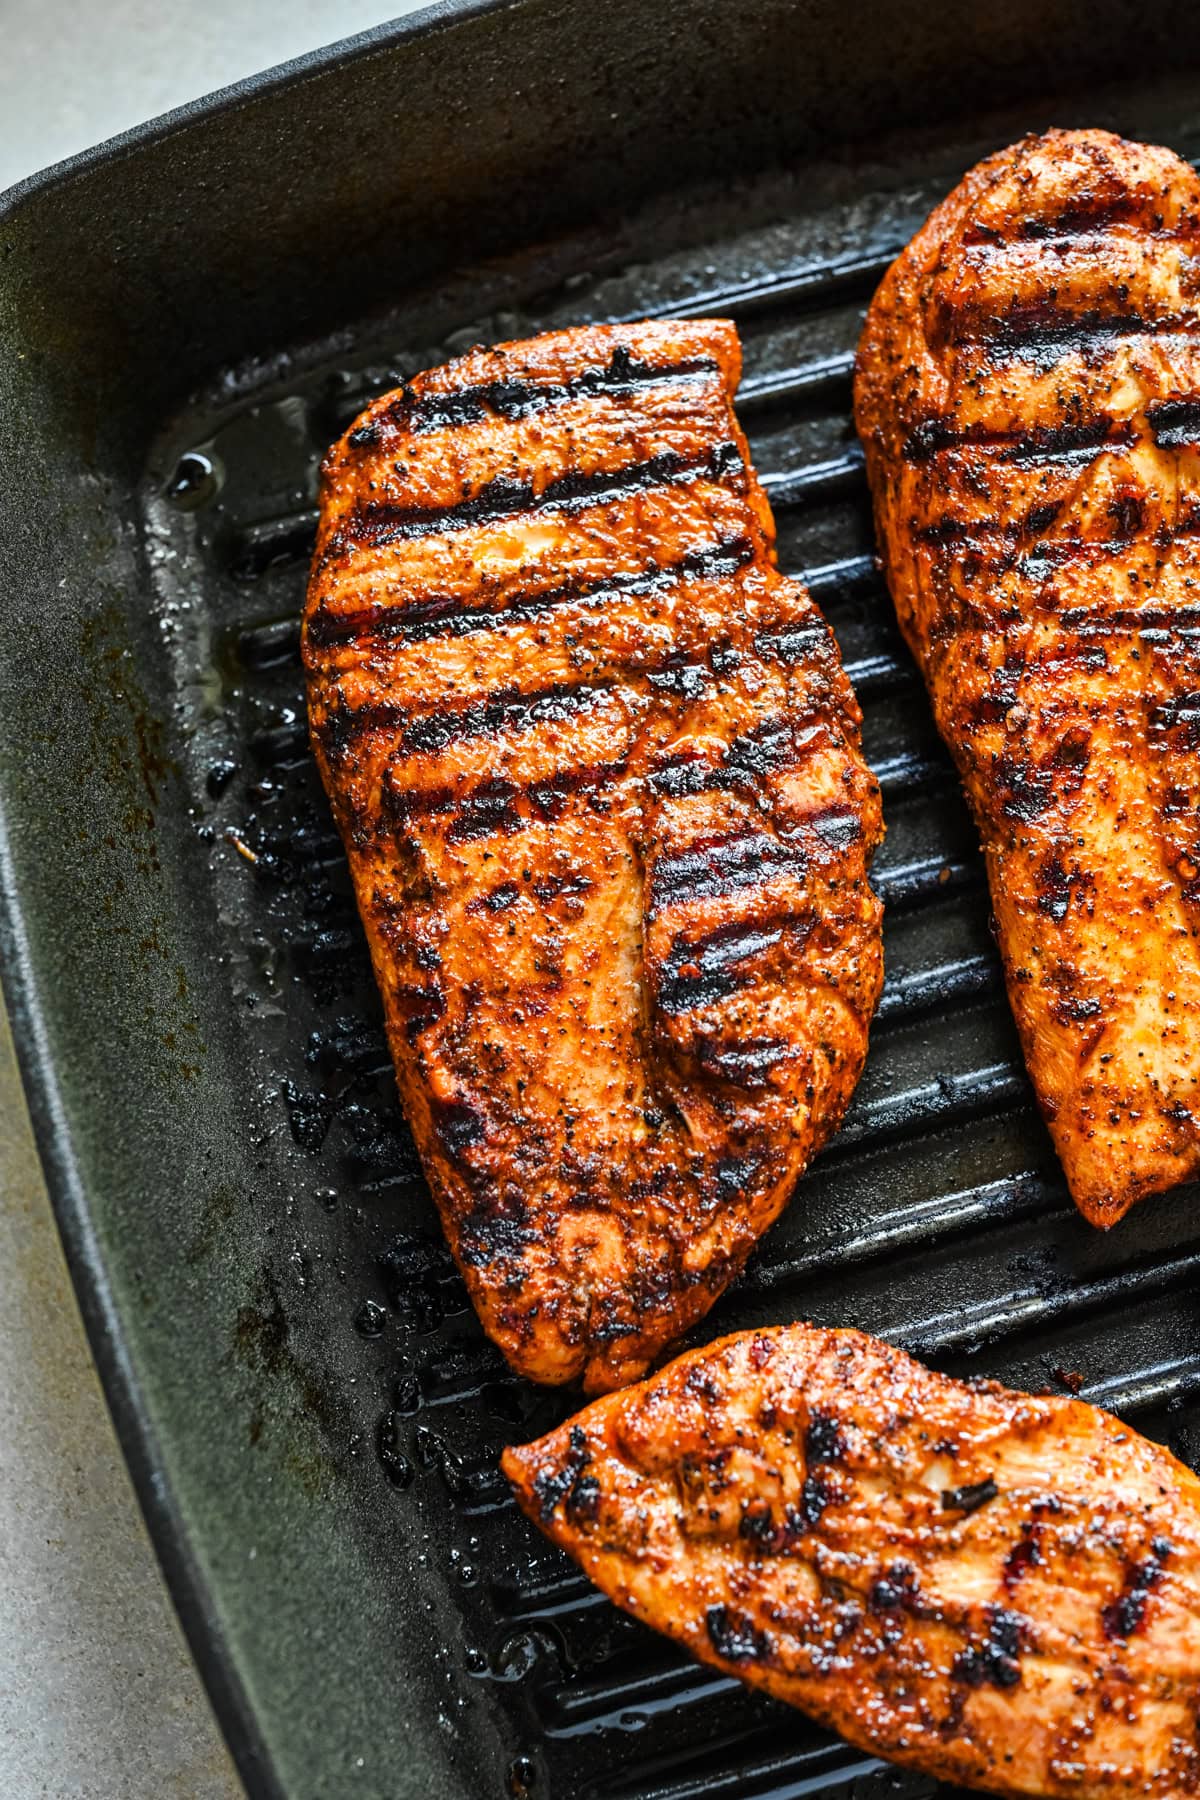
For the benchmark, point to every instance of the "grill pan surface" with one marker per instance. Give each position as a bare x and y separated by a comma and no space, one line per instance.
310,1409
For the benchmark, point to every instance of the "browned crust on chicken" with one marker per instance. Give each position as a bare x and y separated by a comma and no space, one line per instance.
995,1589
1028,393
597,769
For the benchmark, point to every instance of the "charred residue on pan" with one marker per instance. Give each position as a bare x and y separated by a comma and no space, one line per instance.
128,750
291,1404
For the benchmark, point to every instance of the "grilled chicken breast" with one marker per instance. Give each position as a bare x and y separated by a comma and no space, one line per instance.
1028,393
597,769
994,1589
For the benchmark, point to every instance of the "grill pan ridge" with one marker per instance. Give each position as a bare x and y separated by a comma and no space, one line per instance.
937,1218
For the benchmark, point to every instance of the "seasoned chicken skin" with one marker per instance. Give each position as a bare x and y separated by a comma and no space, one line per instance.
597,769
994,1589
1028,393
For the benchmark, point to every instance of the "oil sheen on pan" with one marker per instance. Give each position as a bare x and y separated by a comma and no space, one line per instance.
1028,392
598,772
994,1589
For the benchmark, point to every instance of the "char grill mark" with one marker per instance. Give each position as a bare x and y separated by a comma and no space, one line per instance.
378,523
515,804
546,889
796,643
581,1092
1126,1615
511,805
994,1659
715,868
1153,623
491,809
1076,442
1175,424
1015,545
1041,333
1086,217
510,398
748,759
1001,540
513,710
1179,719
439,615
746,1062
1034,566
969,1499
699,972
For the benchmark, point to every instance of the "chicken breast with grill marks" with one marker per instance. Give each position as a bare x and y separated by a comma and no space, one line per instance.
995,1589
597,769
1028,392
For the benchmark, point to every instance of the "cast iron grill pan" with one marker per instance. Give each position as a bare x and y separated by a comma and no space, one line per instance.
937,1219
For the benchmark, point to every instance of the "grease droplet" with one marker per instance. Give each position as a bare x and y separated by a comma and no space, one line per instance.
522,1776
370,1319
219,776
194,482
398,1467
